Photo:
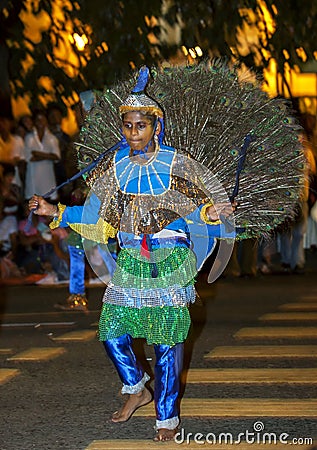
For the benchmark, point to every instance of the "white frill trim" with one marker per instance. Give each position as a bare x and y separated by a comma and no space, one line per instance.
169,424
137,387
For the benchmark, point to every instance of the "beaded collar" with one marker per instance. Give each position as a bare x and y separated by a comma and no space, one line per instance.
153,178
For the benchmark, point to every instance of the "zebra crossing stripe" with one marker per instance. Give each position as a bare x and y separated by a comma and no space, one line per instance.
263,351
289,316
308,298
276,333
5,351
18,325
38,354
7,374
251,376
75,336
241,407
300,306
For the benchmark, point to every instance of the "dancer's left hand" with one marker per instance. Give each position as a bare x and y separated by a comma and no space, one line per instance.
223,209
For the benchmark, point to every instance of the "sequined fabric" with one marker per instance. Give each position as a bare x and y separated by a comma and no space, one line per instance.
136,298
158,325
175,266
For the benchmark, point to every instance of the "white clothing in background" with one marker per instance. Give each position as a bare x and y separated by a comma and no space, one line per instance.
19,153
40,175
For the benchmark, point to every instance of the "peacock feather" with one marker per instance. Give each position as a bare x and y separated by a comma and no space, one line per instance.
225,121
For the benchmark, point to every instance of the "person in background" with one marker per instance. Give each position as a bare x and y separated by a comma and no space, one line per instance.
41,152
43,251
30,240
243,260
26,125
65,168
292,238
10,204
12,150
77,299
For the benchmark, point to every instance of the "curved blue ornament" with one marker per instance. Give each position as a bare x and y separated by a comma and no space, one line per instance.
142,80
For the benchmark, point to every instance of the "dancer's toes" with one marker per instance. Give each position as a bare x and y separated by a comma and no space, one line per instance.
133,402
115,415
163,434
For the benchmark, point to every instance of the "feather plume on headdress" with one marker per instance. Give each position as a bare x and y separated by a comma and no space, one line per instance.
138,100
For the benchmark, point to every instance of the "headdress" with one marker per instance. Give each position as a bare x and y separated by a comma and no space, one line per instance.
138,100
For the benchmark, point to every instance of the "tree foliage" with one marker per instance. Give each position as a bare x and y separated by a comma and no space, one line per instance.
122,35
119,37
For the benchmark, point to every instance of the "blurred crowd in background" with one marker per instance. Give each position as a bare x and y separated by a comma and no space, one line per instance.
36,155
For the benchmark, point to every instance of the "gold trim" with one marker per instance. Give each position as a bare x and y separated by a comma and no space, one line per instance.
205,218
99,232
57,220
151,109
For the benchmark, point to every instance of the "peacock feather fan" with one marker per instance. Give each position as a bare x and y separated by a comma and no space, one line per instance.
213,113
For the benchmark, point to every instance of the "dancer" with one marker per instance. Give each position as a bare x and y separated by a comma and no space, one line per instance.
159,202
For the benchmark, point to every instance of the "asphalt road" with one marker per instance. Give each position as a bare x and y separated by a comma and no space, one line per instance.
66,402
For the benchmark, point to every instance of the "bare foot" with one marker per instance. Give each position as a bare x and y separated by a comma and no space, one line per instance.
163,434
133,402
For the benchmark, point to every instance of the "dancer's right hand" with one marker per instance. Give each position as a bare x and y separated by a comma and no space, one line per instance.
41,207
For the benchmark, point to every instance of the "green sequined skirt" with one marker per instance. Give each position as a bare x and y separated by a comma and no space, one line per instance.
158,325
154,308
175,266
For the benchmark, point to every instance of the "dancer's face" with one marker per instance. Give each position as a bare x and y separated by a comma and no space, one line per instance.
138,130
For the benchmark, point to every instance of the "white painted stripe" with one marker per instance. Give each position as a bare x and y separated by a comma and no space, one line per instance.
36,324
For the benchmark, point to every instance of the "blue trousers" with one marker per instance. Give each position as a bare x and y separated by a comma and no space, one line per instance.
167,371
77,270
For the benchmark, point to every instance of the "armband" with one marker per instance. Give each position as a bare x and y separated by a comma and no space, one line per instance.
59,216
205,218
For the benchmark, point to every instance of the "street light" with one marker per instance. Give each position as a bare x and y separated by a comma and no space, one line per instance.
79,41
